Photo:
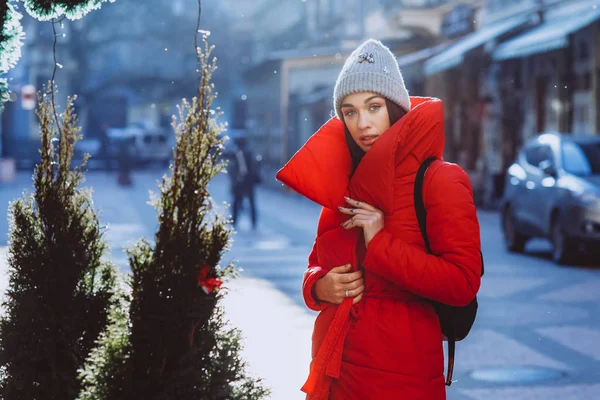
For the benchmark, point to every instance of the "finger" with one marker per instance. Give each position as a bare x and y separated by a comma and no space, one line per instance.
356,284
344,292
357,299
353,211
351,277
356,275
341,295
358,291
354,219
341,269
354,292
358,221
348,277
360,204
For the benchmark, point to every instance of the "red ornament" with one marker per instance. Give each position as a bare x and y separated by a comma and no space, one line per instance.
208,284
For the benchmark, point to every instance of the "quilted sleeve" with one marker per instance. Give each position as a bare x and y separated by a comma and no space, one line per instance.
311,276
451,275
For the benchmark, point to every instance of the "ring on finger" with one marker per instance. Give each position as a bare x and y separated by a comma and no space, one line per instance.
347,293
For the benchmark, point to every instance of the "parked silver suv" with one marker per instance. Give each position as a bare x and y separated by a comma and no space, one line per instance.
552,191
150,143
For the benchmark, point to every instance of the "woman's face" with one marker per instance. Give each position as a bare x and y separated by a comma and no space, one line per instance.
366,117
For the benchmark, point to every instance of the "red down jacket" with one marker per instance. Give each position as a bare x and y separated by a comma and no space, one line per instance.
389,345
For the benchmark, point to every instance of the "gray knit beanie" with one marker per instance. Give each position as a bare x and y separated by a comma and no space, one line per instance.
371,68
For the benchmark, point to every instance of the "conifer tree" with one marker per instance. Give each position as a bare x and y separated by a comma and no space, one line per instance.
173,343
60,287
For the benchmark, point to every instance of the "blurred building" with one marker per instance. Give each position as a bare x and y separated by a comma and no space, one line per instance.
19,131
300,48
127,64
459,73
505,70
548,76
527,67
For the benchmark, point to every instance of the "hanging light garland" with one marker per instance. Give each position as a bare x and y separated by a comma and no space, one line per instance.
45,10
11,37
11,31
11,40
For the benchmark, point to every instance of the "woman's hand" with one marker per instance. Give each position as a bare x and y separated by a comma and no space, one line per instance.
340,283
364,216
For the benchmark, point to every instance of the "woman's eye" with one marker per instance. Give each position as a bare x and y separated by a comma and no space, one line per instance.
349,113
375,107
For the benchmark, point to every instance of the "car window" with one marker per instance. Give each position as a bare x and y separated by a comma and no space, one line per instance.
581,159
592,153
531,154
538,153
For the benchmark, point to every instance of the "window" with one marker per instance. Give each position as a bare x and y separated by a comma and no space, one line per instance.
587,81
583,81
583,51
552,65
553,106
517,79
536,154
583,111
581,159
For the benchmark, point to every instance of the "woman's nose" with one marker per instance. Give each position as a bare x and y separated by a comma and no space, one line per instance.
363,121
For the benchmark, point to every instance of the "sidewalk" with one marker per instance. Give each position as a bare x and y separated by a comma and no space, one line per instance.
276,332
277,335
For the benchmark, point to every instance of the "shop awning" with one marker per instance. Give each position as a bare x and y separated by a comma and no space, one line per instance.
406,60
551,35
454,55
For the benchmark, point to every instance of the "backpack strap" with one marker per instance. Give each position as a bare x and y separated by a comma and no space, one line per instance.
419,204
422,218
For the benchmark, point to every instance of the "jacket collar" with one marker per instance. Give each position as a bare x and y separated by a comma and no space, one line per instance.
321,169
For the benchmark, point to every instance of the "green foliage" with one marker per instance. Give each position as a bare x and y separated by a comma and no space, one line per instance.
60,290
174,343
11,40
106,370
11,36
4,93
11,31
45,10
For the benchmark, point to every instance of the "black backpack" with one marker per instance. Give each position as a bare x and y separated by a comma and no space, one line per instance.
456,322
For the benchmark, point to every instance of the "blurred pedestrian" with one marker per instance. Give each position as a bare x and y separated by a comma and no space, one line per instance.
245,175
377,335
126,159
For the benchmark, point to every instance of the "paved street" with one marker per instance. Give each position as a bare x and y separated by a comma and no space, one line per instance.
533,313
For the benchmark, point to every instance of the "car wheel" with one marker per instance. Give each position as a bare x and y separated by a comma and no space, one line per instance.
515,241
562,246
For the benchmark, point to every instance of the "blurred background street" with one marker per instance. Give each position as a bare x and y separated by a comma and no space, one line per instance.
538,327
520,84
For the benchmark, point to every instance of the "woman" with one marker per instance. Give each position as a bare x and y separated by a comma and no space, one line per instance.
377,336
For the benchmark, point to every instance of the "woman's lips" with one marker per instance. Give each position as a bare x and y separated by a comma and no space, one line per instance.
368,140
